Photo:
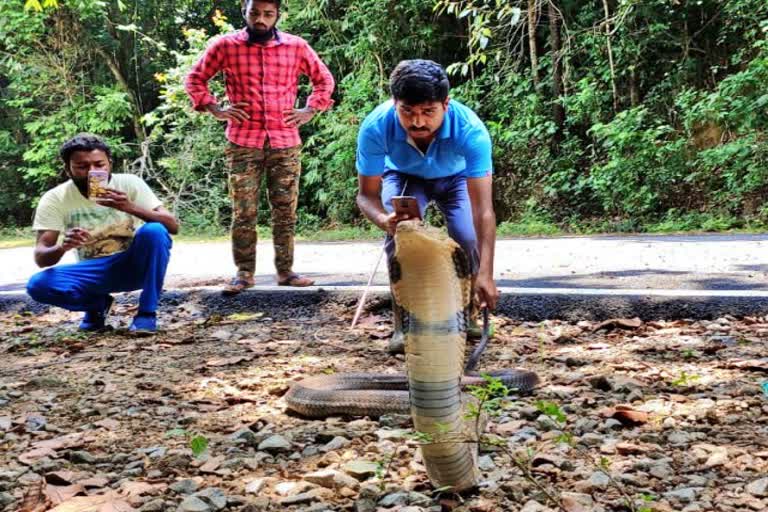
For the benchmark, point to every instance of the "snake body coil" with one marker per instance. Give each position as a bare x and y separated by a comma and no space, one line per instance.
431,282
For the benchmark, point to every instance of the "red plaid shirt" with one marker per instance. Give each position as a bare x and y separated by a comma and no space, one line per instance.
266,77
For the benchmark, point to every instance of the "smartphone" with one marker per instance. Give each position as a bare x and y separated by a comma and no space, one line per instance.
98,180
407,205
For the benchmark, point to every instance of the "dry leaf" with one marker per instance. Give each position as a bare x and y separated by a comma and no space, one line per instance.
108,424
626,415
94,483
110,502
59,494
619,323
227,361
75,440
33,456
140,488
212,464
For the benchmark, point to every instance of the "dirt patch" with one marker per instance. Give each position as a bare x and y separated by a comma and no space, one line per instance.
662,415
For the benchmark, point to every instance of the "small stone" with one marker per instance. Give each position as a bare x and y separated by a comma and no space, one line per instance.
678,437
758,488
257,485
685,495
365,505
298,499
718,458
669,422
534,506
6,499
661,471
391,435
186,486
214,497
485,463
336,443
612,424
331,479
246,435
292,488
276,443
591,439
577,502
404,498
81,457
361,469
156,505
193,504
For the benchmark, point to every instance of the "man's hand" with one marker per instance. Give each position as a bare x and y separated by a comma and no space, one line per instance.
388,222
115,199
486,291
231,113
298,116
74,238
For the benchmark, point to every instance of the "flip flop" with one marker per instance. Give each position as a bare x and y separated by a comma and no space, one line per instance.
237,285
296,280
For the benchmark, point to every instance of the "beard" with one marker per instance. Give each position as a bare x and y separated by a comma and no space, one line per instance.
257,35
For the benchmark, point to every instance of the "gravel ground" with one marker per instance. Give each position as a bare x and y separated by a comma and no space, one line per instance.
631,415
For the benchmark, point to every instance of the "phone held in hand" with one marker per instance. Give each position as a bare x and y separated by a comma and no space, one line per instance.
98,180
406,205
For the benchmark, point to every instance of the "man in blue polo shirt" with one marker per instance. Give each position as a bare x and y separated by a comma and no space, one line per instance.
423,144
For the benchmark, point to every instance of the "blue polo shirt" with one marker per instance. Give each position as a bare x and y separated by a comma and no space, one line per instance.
461,145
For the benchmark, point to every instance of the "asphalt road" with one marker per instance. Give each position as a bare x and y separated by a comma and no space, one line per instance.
700,262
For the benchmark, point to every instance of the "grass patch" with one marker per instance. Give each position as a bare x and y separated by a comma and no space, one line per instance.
530,224
11,237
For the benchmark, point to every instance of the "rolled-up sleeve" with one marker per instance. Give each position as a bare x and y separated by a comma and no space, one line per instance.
196,83
321,78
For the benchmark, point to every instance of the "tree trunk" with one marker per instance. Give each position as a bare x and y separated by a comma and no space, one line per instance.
532,11
555,46
113,66
610,56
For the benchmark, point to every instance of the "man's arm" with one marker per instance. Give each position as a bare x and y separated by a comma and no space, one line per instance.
369,202
322,89
49,253
120,201
481,198
196,86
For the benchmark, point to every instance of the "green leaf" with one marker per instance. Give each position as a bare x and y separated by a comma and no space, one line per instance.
198,445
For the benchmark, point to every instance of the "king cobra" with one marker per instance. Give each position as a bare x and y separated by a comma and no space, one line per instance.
431,282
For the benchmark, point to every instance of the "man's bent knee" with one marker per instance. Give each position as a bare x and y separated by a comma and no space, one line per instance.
39,286
152,231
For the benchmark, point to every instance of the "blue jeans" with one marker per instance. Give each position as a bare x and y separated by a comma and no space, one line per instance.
84,286
452,198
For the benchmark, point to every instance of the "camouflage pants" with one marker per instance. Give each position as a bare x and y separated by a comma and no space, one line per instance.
246,168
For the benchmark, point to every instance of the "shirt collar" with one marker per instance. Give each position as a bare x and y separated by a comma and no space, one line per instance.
444,132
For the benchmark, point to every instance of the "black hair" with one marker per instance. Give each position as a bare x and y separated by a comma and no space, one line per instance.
82,142
244,3
418,81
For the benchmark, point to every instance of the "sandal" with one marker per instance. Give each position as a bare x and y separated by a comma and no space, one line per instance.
295,280
237,285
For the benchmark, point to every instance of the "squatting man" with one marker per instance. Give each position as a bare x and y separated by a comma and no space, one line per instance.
121,237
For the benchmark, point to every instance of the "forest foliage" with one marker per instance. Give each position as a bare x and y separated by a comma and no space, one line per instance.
606,115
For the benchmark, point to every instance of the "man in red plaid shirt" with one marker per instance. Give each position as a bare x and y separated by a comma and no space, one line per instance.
261,67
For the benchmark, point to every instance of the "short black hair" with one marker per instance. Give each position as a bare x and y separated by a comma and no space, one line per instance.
418,81
82,142
244,3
